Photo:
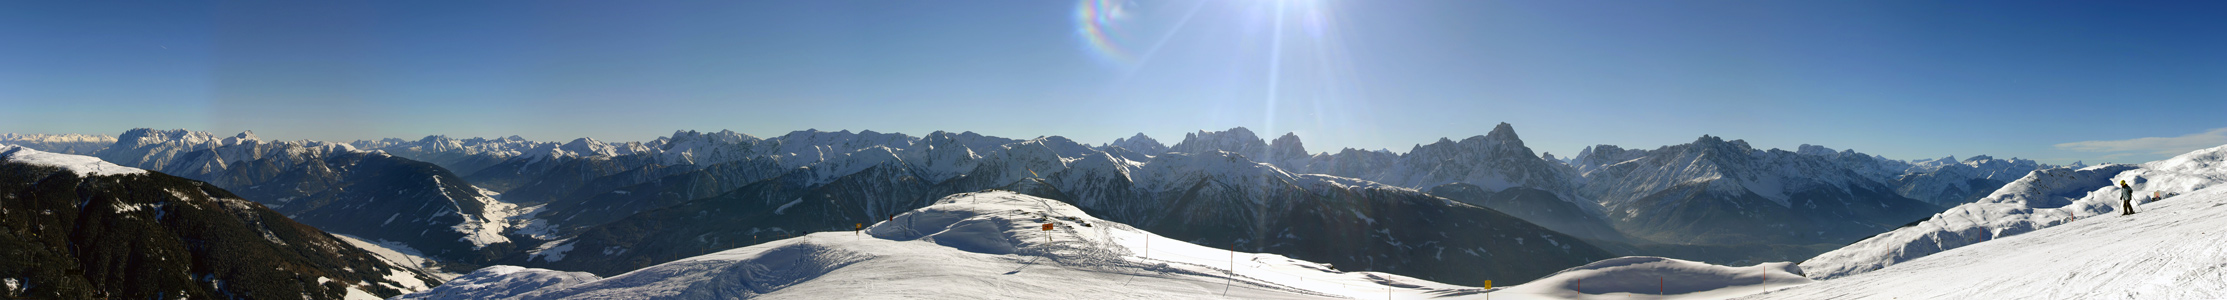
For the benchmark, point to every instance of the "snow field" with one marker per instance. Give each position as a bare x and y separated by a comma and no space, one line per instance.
2168,250
2041,199
80,164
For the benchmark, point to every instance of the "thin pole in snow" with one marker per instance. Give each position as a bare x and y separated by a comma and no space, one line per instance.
1232,271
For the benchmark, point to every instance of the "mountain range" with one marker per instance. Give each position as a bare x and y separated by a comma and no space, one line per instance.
614,207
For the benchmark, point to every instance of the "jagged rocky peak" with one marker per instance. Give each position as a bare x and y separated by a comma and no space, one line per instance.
1717,143
1602,155
1808,149
1504,132
148,136
1061,146
588,147
1238,139
1502,140
1287,146
721,137
1141,144
947,139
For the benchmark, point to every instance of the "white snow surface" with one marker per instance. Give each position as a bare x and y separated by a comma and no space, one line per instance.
399,254
967,246
2042,199
2168,250
1648,277
551,251
495,217
502,282
80,164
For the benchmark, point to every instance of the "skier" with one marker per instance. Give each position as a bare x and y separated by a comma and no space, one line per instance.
2126,196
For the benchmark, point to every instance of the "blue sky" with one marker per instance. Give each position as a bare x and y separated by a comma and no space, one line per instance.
2051,80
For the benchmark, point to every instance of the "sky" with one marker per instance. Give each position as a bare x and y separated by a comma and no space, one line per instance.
2056,81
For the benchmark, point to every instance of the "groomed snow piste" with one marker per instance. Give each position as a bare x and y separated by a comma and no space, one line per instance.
2042,199
2169,249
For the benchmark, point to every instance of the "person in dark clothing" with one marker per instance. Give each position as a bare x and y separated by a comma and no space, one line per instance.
2126,196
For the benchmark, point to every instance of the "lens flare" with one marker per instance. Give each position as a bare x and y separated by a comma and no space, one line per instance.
1100,23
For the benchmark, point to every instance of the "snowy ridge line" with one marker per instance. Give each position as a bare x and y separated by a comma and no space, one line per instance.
80,164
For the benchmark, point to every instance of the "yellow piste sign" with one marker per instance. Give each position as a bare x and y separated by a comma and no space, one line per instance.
1488,284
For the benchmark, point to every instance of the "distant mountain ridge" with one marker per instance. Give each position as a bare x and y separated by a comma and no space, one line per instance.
335,187
79,144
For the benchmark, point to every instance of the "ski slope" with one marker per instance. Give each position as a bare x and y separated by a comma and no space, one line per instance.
2170,249
2042,199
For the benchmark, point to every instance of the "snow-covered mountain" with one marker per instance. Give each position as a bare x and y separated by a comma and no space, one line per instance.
1211,198
337,188
79,144
1714,191
1495,161
1944,181
458,155
2039,200
614,197
1963,181
689,147
76,227
950,250
1140,144
2168,250
591,189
